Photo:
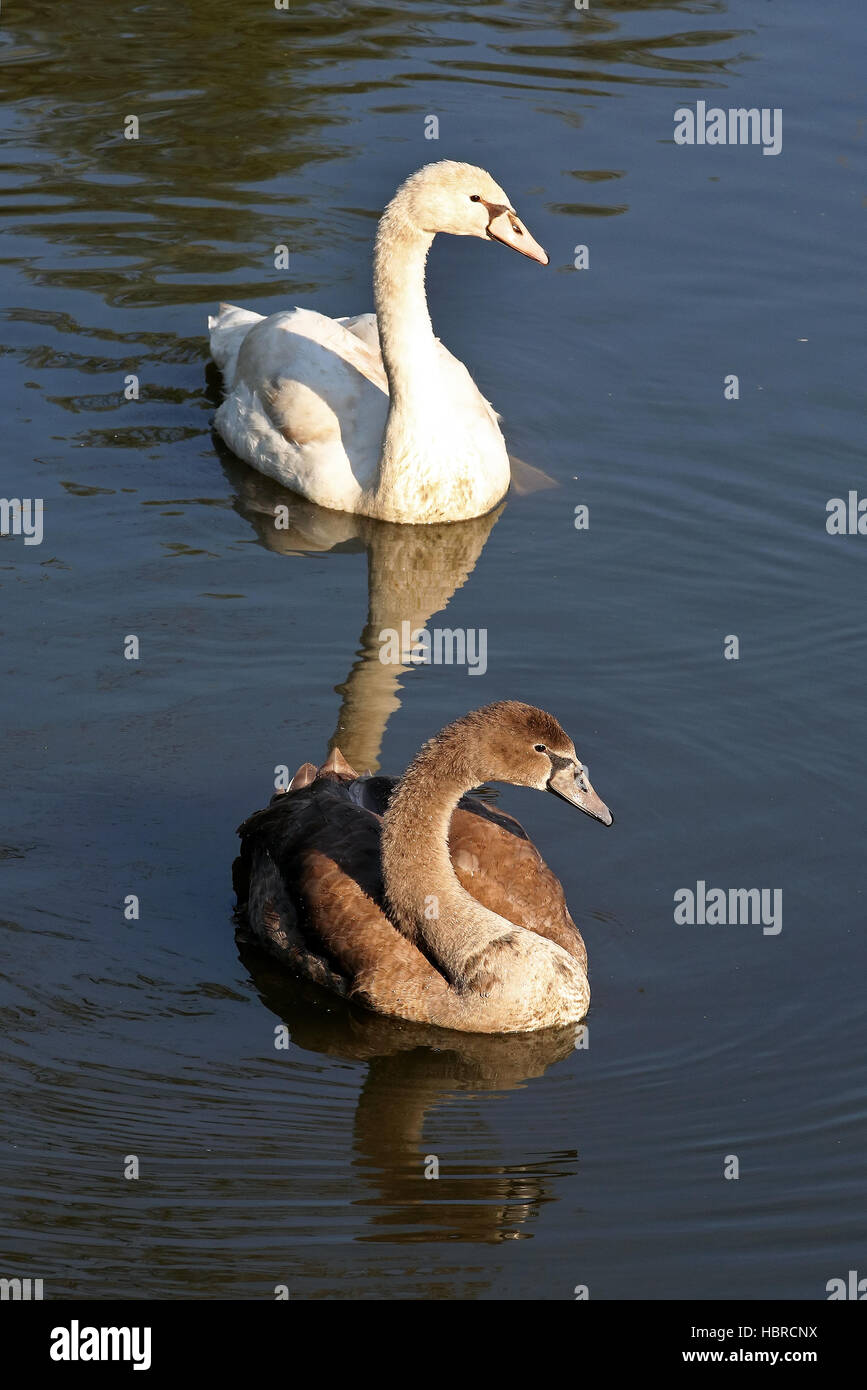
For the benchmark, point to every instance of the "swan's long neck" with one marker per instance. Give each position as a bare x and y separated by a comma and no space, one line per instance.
442,457
405,332
425,898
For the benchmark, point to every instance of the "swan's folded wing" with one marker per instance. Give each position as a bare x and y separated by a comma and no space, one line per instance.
302,348
365,327
499,865
308,407
460,388
325,850
228,329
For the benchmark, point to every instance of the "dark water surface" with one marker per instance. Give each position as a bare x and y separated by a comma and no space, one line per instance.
559,1167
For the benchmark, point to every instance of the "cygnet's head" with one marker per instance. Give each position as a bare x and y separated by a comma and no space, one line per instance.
513,742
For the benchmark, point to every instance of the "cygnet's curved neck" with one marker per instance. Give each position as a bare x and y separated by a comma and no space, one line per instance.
425,899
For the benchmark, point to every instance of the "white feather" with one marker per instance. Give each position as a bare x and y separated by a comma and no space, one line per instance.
371,414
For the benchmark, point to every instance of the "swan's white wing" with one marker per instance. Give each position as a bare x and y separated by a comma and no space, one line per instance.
460,388
228,330
365,327
307,405
457,384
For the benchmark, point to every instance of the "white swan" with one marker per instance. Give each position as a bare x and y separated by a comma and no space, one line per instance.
372,414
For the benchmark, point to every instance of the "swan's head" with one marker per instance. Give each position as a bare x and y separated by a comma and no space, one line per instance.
517,743
461,199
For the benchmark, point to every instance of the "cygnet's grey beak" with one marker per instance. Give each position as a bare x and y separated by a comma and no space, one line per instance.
573,785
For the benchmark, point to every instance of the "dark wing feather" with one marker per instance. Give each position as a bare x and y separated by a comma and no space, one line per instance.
323,841
309,883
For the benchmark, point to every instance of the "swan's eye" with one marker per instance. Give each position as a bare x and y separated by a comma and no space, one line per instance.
540,748
474,198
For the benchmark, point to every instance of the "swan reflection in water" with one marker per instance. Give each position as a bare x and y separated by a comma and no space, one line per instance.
412,573
413,1071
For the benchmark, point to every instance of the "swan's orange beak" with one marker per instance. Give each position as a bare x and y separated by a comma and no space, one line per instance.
574,786
507,227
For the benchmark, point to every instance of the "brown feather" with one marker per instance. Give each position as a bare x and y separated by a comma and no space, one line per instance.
310,886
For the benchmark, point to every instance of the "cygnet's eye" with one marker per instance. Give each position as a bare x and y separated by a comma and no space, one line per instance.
540,748
475,198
